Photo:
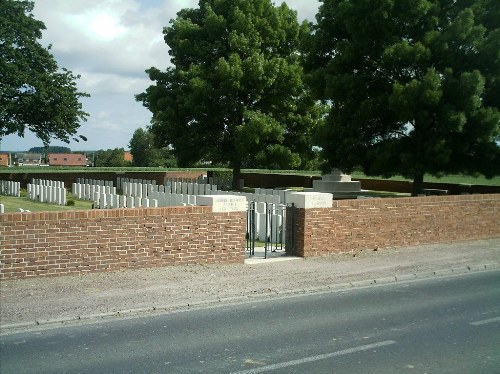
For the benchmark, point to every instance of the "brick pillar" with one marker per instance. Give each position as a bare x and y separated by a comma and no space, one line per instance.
299,236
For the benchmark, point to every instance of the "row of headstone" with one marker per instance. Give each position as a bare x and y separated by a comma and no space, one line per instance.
121,181
175,186
113,201
221,183
94,182
10,188
158,199
184,188
46,182
199,180
47,194
88,191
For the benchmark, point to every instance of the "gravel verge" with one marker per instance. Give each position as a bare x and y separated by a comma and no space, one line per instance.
54,300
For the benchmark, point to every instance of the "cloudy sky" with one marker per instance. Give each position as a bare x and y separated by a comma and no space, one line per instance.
110,43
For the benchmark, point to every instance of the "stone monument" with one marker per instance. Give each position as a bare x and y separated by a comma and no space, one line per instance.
338,184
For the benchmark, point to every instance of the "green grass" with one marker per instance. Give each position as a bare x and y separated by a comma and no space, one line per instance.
457,179
453,179
62,169
11,205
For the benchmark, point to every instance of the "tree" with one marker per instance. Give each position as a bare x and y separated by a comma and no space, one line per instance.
145,153
413,86
34,93
141,146
110,158
235,93
50,149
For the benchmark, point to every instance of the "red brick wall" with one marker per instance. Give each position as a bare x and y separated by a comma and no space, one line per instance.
377,223
76,242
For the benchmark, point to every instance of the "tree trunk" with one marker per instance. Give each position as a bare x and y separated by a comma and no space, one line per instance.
418,185
236,176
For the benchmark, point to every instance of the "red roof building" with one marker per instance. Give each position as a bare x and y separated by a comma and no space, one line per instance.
4,159
67,159
127,156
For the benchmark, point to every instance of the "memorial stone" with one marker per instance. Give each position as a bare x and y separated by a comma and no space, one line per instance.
338,184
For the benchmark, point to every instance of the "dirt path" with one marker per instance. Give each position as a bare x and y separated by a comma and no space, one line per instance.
56,299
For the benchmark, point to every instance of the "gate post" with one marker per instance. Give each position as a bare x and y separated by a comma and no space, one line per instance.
297,226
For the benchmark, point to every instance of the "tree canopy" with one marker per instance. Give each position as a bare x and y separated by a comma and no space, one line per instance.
145,153
50,149
34,93
235,93
413,85
110,158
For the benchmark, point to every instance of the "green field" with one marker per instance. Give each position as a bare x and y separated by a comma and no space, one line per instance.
11,205
456,179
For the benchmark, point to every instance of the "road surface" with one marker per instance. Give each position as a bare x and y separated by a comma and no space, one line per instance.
440,325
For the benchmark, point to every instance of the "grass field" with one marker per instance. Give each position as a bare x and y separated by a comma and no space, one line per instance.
11,205
457,179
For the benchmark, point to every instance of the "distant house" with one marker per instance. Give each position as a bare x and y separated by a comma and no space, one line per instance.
67,159
28,159
127,156
4,159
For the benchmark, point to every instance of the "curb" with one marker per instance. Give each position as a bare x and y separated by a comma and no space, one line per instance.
297,292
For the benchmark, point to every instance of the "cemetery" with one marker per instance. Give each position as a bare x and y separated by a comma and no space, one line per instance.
140,223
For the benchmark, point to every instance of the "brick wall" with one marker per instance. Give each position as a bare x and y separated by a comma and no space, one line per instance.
76,242
377,223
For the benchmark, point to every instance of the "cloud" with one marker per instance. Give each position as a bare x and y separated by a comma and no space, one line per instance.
306,9
110,44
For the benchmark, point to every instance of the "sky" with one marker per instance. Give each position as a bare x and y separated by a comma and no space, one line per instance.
110,44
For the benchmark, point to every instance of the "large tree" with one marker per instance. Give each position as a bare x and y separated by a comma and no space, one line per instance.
110,158
235,92
145,153
413,85
34,93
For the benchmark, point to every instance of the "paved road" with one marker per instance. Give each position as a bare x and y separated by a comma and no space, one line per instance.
443,325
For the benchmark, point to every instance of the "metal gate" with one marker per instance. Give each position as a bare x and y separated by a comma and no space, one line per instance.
270,227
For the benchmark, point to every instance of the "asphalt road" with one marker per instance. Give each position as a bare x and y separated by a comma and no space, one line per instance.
442,325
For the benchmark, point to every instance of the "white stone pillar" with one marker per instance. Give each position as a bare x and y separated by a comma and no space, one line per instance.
311,200
224,203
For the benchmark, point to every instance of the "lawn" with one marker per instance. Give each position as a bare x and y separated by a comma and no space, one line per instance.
457,179
11,204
